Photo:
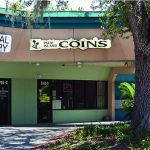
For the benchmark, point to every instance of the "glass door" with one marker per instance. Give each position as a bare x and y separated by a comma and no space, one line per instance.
44,101
5,95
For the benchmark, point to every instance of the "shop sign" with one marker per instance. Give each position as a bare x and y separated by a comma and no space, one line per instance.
39,44
5,43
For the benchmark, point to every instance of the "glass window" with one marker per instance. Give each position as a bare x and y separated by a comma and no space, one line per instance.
56,89
57,94
90,94
102,94
67,90
79,101
79,94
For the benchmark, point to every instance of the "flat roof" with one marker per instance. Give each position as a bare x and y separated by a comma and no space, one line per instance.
62,13
54,20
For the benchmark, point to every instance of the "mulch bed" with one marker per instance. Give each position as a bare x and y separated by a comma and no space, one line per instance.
111,143
53,140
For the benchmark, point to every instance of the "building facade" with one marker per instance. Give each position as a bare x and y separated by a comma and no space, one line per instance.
59,85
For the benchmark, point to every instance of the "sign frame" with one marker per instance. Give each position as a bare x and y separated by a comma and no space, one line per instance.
83,44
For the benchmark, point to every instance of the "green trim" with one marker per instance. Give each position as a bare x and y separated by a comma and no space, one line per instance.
63,13
24,70
70,116
24,102
73,14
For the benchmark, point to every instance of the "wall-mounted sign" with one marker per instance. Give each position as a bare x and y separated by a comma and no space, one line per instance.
5,43
39,44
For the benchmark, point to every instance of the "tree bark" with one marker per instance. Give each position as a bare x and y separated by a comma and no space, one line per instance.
140,28
141,113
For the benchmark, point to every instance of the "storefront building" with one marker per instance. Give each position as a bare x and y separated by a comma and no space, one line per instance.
60,71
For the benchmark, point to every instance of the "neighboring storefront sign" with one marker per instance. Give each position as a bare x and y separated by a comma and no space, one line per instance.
39,44
5,43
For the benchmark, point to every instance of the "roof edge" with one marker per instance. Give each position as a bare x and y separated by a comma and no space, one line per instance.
61,13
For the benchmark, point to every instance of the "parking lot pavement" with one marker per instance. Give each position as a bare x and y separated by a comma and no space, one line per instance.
20,138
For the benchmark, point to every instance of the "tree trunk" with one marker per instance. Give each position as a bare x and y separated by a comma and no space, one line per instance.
140,27
141,113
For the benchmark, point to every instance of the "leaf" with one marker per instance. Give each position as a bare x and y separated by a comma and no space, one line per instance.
127,90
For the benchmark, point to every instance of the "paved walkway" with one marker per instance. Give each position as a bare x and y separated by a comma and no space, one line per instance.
22,138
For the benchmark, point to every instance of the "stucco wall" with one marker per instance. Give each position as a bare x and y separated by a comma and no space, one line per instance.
63,116
53,71
122,49
23,102
24,89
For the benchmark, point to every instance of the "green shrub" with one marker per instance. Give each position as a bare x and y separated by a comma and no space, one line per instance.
127,95
98,137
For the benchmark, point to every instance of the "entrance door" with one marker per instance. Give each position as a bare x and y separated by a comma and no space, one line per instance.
5,95
44,101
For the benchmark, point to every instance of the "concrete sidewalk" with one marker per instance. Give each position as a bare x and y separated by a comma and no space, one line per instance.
86,123
21,138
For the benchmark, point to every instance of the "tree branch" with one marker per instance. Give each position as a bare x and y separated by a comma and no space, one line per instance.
139,22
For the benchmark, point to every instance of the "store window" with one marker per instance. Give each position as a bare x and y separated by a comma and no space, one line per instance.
67,99
90,94
102,94
78,94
